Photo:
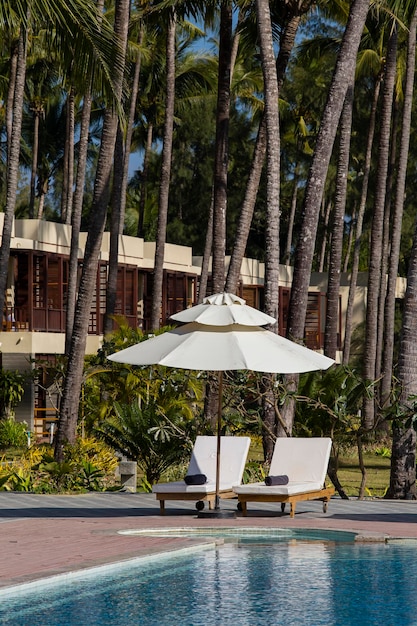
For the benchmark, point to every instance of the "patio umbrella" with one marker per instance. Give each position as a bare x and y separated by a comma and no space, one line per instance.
223,333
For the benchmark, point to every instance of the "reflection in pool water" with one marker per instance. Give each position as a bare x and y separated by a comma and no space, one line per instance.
240,583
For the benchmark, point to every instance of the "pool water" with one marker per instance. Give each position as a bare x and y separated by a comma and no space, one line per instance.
239,583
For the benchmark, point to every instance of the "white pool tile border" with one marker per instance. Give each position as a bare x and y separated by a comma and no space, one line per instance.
218,531
90,572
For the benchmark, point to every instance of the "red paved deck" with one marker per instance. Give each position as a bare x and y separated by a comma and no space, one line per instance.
41,546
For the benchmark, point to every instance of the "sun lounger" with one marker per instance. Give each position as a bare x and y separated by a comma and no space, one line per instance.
304,461
233,454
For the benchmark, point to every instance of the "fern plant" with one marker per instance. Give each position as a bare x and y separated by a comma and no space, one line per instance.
143,433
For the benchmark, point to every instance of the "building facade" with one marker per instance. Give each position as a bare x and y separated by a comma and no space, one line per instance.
33,328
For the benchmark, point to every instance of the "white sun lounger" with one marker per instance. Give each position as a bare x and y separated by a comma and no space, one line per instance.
305,462
233,454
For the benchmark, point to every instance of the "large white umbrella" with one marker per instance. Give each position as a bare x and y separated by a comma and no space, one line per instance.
223,333
197,346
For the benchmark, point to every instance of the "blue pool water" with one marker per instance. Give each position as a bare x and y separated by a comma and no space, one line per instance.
296,582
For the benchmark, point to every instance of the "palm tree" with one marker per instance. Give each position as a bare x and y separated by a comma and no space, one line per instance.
273,189
120,178
288,33
343,76
360,218
376,249
333,284
73,381
76,215
89,46
146,433
165,170
403,456
222,147
396,220
13,159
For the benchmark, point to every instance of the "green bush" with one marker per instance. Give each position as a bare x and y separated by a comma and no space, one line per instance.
90,466
12,434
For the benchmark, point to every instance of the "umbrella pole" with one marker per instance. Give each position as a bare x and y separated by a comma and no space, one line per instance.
219,431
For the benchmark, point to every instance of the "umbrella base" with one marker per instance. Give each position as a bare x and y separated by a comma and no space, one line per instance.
216,514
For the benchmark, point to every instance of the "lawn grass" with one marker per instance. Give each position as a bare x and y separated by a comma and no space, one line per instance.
377,474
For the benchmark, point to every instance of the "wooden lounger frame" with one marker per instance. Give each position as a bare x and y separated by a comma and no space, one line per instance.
320,494
192,496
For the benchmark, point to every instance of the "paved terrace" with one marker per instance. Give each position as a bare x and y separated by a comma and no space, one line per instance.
46,535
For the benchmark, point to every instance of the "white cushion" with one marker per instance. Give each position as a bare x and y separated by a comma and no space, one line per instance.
281,490
233,455
303,459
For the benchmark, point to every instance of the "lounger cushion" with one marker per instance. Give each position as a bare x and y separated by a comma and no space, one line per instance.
281,490
181,487
303,459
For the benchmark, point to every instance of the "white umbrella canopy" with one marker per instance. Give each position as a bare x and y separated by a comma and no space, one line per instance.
197,346
223,333
222,309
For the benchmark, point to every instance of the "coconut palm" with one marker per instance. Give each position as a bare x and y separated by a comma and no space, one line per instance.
165,170
273,188
90,45
287,26
376,248
221,146
396,220
403,456
73,380
343,76
333,283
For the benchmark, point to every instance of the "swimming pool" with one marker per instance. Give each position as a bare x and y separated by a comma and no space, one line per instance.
246,583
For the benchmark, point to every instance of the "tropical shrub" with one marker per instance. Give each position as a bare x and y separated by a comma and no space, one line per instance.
11,391
107,382
89,466
145,434
12,434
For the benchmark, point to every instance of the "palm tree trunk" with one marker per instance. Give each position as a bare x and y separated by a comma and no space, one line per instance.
116,228
13,163
121,176
336,251
403,456
273,209
34,168
14,59
158,272
145,169
386,243
352,224
326,211
291,219
375,254
398,213
76,213
76,217
202,287
221,158
342,77
359,222
68,174
246,213
73,381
